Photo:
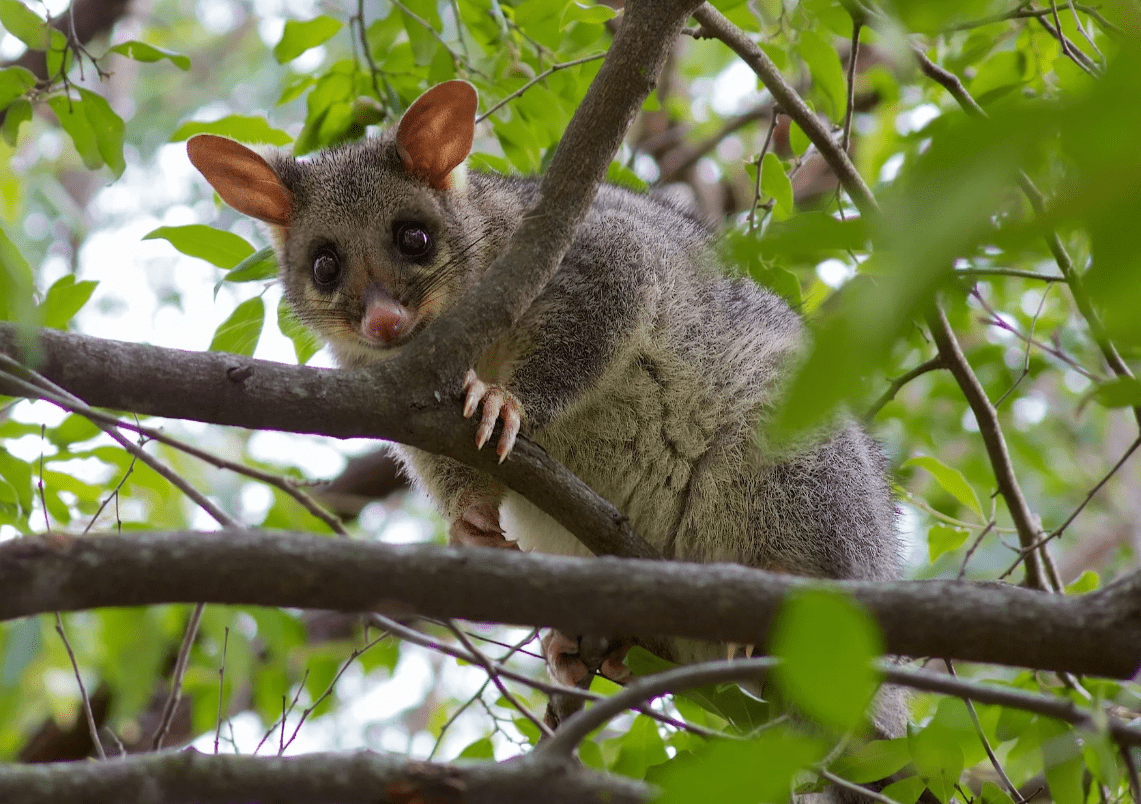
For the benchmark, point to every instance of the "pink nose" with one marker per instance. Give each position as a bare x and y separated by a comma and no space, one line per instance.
385,319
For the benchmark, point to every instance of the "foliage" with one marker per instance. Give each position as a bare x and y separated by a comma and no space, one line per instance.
1041,294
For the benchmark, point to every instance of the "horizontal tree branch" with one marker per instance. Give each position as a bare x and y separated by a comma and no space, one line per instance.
190,777
1098,633
257,394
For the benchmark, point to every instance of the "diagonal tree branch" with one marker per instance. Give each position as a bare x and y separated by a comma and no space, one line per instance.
1098,633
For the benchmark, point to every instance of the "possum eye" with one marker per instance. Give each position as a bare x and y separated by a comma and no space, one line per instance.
326,269
412,240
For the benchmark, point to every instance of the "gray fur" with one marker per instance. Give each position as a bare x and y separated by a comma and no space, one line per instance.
642,367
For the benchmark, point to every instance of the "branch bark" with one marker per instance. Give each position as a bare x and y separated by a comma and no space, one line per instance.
1098,633
189,777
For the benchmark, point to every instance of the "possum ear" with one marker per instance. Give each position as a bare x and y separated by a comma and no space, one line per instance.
436,132
242,177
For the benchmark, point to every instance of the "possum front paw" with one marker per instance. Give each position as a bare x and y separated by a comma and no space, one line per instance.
478,526
498,403
571,661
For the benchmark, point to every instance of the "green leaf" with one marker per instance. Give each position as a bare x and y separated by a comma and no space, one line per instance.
589,13
19,474
30,29
993,794
905,791
826,643
827,72
94,128
16,283
1087,582
943,539
1124,392
1013,723
259,266
300,36
480,749
305,343
727,701
950,479
141,51
64,299
239,333
797,140
1062,756
813,236
218,247
641,748
107,127
18,112
237,127
14,82
738,772
775,183
938,759
873,761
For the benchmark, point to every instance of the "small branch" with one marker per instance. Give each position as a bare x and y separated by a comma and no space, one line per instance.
1010,788
898,383
1025,520
1009,272
853,54
83,697
760,161
540,77
180,666
574,730
858,789
221,687
715,24
489,666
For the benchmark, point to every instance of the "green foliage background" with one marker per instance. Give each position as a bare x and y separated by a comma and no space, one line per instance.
955,224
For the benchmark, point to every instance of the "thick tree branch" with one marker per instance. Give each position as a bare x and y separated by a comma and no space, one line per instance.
188,777
256,394
1098,633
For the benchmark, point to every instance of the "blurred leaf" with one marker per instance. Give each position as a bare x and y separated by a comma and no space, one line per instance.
14,82
1088,581
301,36
938,759
16,283
827,73
826,643
237,127
480,749
30,29
141,51
950,479
305,343
218,247
775,183
905,791
738,772
64,299
18,112
641,749
239,333
589,13
18,475
993,794
872,761
1123,392
1062,756
943,539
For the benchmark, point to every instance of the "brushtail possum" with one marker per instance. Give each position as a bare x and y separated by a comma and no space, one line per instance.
642,366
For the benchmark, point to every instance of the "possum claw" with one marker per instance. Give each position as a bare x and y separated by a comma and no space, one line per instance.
498,403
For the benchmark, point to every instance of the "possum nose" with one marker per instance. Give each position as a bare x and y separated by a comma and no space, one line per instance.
385,319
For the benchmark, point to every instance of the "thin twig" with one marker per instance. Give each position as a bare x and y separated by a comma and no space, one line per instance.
92,729
489,666
846,138
760,161
859,789
177,676
898,383
1010,787
1074,514
541,76
1011,272
974,546
221,687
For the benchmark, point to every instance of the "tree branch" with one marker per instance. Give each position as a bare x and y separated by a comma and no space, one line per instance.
188,777
1098,633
